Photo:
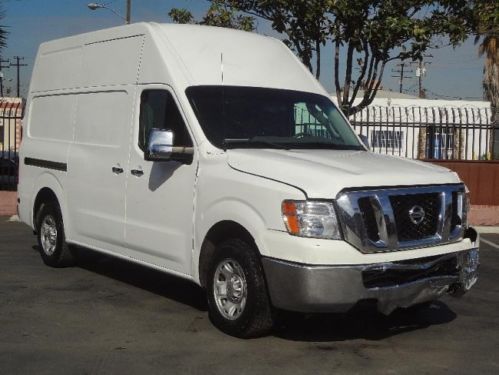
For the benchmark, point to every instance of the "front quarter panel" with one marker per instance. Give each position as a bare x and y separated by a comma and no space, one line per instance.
225,194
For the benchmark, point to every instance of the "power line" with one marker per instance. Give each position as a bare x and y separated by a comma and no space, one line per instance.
421,73
18,65
453,97
400,74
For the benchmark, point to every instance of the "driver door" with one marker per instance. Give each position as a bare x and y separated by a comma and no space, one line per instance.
160,194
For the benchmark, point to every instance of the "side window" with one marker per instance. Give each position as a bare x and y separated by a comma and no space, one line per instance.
159,110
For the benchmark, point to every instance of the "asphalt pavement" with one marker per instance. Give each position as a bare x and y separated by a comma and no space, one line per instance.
107,316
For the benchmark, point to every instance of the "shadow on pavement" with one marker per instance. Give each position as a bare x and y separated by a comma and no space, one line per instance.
162,284
365,323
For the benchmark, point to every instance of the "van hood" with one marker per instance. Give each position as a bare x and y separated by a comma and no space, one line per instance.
324,173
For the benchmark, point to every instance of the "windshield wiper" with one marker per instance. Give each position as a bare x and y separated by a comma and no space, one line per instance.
326,145
258,141
302,143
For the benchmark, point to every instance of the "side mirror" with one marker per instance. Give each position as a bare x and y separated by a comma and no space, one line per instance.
365,141
160,145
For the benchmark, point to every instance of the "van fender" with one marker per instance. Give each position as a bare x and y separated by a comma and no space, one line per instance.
233,210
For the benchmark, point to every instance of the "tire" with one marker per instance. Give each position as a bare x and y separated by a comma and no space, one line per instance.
50,234
240,308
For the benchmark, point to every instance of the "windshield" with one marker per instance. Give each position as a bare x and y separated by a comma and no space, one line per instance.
251,117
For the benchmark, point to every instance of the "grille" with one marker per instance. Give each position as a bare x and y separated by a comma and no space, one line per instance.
369,219
389,277
379,220
406,229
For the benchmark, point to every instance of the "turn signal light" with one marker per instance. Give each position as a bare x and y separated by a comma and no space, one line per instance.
315,219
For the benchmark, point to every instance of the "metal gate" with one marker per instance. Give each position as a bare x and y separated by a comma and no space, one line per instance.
432,133
11,113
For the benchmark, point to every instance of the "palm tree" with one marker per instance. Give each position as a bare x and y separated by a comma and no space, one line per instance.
3,44
487,29
3,37
3,31
488,48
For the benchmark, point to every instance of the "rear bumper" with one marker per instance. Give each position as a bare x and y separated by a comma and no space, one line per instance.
310,288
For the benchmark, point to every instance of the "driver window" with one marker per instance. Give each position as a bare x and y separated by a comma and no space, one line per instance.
159,110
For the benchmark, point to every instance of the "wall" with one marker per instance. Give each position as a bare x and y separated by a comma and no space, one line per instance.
482,179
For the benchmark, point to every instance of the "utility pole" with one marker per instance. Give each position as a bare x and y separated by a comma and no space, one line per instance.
1,73
18,64
127,18
128,11
420,73
400,74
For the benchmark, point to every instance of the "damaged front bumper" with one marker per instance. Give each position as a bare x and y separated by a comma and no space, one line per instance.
306,288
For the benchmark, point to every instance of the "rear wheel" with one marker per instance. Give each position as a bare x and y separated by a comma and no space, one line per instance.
50,233
237,294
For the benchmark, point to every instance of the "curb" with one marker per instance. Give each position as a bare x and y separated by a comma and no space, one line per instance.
487,230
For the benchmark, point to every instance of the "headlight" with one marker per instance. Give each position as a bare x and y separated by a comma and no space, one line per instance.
466,208
315,219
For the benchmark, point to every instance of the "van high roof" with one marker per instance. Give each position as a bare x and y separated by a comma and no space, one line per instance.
189,54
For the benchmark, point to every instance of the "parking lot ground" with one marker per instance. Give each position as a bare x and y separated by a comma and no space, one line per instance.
112,317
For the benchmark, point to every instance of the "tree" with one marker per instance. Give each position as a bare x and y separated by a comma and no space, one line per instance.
3,31
487,33
304,22
487,30
179,15
370,32
219,14
489,49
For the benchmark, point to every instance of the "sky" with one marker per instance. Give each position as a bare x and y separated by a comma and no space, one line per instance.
453,73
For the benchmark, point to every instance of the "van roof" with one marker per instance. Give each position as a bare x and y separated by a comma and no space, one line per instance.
203,55
181,31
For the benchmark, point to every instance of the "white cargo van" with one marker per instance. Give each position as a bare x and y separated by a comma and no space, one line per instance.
214,155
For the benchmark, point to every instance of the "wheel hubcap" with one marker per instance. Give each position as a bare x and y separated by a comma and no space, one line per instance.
48,235
230,289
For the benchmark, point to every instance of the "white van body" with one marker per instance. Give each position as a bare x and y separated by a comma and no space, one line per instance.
81,148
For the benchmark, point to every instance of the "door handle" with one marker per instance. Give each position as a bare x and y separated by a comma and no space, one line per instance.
137,172
117,170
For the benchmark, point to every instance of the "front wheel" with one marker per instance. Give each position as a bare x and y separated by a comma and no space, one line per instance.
237,294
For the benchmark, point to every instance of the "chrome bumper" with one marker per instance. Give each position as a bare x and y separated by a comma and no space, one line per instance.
306,288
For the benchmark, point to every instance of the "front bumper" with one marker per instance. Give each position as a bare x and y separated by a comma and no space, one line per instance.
310,288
